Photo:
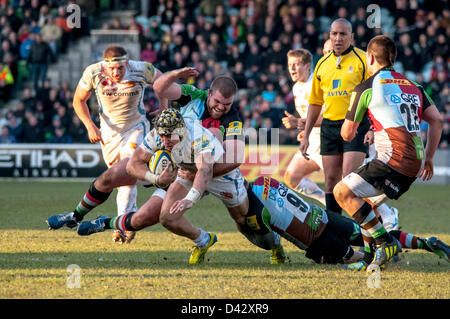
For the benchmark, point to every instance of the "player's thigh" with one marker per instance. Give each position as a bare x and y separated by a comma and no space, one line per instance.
148,214
239,212
332,170
352,161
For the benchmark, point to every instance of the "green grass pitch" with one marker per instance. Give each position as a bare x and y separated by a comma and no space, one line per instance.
34,261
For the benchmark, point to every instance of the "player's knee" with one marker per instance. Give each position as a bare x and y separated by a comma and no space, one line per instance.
291,180
166,219
287,179
340,192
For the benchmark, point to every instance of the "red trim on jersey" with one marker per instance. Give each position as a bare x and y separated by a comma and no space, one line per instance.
377,127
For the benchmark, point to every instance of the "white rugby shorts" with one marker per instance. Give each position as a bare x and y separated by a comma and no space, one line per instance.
229,188
118,146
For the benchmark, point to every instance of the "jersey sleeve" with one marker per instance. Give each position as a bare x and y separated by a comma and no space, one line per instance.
427,101
87,79
152,142
190,93
359,103
316,95
149,72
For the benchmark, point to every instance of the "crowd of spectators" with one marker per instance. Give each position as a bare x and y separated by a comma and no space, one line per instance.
249,39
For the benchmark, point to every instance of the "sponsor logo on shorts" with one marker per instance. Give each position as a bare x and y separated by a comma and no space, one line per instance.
389,184
252,222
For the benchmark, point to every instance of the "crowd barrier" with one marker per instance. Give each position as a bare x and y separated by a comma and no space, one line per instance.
86,161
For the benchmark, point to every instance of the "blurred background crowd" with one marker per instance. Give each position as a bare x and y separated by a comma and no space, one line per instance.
247,39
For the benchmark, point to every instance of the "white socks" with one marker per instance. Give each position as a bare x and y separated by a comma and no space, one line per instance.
308,188
203,239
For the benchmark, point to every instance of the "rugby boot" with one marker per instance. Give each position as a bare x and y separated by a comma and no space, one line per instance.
198,254
438,247
93,226
278,255
60,220
384,253
118,236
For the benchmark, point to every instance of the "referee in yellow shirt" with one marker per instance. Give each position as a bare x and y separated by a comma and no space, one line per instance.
335,76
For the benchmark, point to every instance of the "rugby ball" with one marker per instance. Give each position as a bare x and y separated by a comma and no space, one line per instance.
159,161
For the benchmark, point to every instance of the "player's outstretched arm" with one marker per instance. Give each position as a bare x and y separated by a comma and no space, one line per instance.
433,118
165,85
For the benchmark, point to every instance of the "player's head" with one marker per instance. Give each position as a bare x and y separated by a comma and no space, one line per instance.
327,47
170,127
221,96
341,35
299,64
116,61
381,52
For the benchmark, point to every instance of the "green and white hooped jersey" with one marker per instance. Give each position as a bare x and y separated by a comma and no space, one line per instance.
120,104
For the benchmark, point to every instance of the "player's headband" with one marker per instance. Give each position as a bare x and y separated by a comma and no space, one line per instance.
116,59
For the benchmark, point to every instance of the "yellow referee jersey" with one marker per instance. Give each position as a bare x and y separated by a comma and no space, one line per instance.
334,80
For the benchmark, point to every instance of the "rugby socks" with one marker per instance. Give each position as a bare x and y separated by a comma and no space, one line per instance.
308,188
331,203
368,241
122,222
90,200
410,241
203,239
366,218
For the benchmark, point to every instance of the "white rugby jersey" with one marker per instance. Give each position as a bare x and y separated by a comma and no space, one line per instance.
301,93
197,140
120,104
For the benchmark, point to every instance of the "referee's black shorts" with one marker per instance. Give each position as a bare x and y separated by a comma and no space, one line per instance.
332,143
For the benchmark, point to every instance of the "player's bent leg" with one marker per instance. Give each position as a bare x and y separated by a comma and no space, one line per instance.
179,225
431,244
351,161
295,178
148,214
350,193
175,222
91,199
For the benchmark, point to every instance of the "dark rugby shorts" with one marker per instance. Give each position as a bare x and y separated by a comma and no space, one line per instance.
384,178
332,143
